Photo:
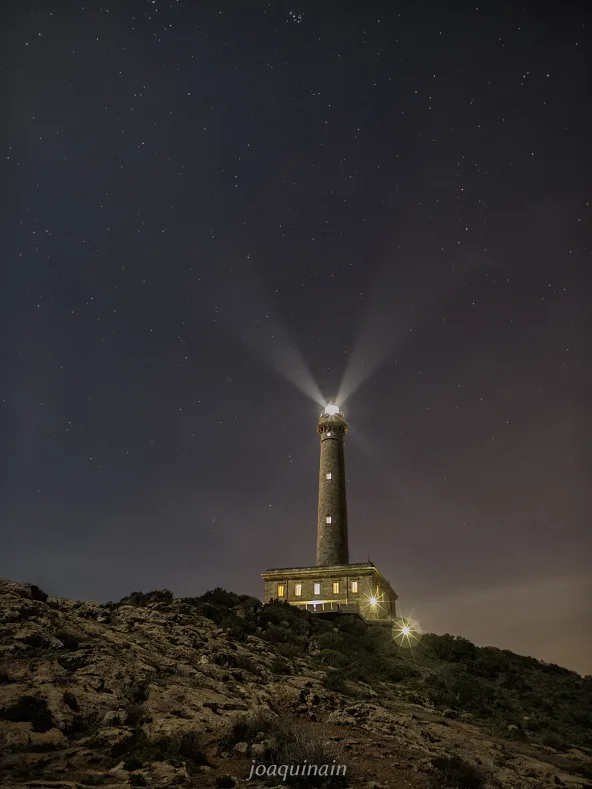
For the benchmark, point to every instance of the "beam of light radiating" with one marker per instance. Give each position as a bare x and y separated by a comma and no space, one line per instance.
245,309
404,490
408,285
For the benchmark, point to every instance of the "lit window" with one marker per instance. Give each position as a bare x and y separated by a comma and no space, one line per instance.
281,590
354,587
298,590
328,434
335,587
317,588
328,475
328,519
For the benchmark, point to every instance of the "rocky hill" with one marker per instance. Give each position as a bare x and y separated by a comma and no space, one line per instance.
197,692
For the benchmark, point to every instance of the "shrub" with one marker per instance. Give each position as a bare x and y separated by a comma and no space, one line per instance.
353,626
83,723
333,658
71,701
37,593
68,640
289,650
335,681
142,599
214,613
138,691
32,709
279,666
553,740
296,743
186,746
134,715
251,726
397,671
452,649
249,604
220,597
455,772
333,641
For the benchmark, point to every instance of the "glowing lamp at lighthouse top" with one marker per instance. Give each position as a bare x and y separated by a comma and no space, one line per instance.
331,409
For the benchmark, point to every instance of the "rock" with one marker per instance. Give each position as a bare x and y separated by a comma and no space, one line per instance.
258,750
340,719
27,591
226,781
47,740
241,749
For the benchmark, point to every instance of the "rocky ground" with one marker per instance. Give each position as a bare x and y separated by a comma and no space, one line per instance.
92,695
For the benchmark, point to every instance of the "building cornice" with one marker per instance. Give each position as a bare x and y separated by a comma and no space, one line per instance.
337,569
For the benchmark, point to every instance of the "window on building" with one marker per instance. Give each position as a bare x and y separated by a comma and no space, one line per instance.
298,590
328,475
328,434
354,587
317,588
281,590
335,587
328,519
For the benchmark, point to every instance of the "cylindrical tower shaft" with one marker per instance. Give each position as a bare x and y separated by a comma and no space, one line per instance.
332,544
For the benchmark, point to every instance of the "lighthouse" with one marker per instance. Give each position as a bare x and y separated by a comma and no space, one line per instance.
333,585
332,542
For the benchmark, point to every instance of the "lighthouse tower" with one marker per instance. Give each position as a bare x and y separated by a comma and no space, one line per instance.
333,586
332,545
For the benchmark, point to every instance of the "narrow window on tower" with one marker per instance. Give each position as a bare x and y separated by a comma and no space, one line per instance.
317,588
335,587
354,587
298,590
328,475
328,519
281,590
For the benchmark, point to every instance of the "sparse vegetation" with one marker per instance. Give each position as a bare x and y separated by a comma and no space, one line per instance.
83,723
251,727
290,741
70,641
182,747
296,743
455,772
493,685
141,599
107,712
335,681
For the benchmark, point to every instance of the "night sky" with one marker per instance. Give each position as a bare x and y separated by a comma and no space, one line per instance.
217,216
